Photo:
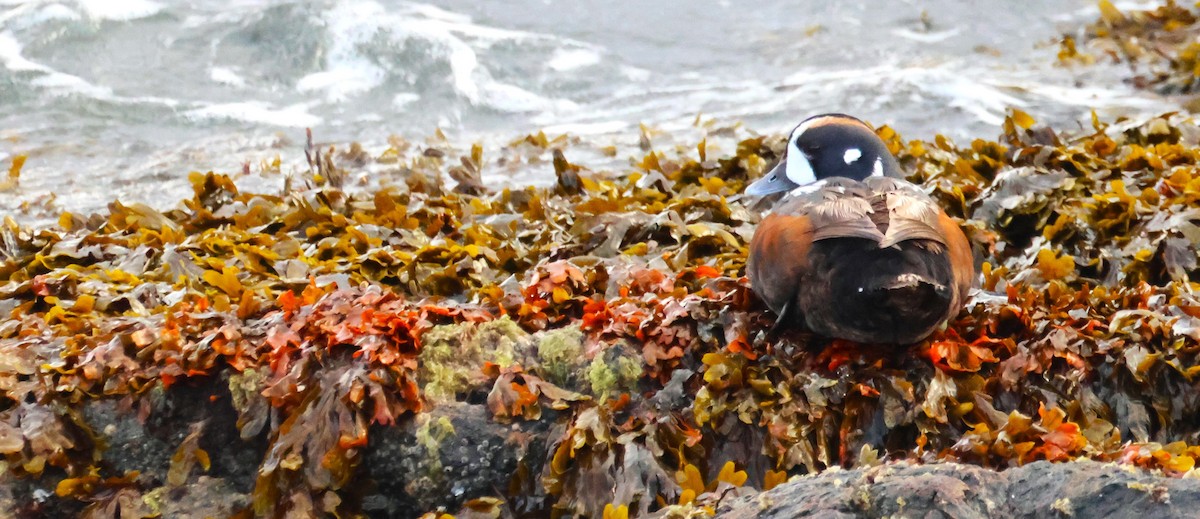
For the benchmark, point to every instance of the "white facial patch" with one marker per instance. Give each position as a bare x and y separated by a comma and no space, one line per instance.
799,169
852,155
878,171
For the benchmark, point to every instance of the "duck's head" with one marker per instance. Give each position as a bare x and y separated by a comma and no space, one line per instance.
826,146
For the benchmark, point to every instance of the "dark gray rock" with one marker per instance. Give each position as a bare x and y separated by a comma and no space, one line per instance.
30,498
451,454
132,444
202,497
949,490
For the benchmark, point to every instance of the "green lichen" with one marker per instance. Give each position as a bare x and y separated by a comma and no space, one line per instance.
155,499
561,355
430,434
245,387
613,372
452,355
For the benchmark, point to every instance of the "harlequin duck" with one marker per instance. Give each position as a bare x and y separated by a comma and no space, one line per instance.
853,250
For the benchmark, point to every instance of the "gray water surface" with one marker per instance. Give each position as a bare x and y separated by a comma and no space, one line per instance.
121,99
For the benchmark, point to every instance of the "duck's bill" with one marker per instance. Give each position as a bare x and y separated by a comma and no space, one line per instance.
775,181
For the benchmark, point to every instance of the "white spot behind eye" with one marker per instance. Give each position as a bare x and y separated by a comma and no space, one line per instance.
852,155
878,171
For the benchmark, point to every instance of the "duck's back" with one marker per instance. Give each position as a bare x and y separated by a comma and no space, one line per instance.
872,261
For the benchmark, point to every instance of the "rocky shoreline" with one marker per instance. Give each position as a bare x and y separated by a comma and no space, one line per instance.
435,347
404,473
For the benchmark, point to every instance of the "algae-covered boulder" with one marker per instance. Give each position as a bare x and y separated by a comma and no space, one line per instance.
560,354
453,355
613,371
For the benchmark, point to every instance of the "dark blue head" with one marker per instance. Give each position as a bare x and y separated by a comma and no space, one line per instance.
825,146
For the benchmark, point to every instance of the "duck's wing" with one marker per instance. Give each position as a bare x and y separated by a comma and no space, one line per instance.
911,214
779,236
881,209
836,208
779,252
962,261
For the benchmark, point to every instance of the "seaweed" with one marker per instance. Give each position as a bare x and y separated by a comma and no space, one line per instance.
1162,40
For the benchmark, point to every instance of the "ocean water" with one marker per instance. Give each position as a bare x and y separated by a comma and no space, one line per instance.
121,99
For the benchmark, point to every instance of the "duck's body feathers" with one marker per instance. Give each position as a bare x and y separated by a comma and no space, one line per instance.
873,260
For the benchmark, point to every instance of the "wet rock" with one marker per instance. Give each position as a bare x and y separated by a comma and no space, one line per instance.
131,445
29,498
441,459
148,446
200,497
949,490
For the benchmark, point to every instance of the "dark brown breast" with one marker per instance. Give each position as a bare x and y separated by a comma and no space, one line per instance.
872,261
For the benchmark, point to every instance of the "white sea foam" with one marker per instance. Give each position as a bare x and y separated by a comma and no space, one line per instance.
294,116
29,15
61,83
1093,97
673,104
348,72
401,100
355,25
594,128
436,17
56,12
55,81
23,8
986,102
10,55
226,76
511,98
946,81
635,73
565,60
1090,12
926,37
120,10
66,84
437,13
346,79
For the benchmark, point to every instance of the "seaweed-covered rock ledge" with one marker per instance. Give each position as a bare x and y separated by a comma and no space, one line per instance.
586,349
1079,489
